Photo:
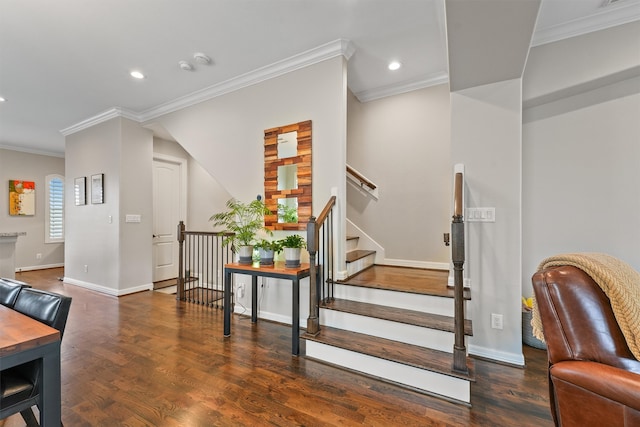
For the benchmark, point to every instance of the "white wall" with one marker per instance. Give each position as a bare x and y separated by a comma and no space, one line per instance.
486,137
30,167
226,135
402,144
205,196
117,255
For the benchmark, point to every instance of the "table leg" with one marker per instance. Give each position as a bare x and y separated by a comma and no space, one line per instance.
254,299
227,304
295,320
50,399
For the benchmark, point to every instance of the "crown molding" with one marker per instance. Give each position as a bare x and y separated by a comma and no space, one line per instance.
407,86
610,16
296,62
100,118
32,151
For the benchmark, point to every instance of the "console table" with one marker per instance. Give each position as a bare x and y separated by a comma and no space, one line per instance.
7,253
277,271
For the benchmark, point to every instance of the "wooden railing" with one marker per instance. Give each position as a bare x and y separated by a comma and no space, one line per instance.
363,181
201,261
457,257
320,246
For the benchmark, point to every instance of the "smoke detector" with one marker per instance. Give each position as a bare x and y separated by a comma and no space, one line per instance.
201,58
184,65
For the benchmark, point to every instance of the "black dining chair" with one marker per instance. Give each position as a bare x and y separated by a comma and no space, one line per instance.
19,385
9,290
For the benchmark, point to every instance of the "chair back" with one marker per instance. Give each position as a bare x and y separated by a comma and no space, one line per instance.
9,290
578,320
47,307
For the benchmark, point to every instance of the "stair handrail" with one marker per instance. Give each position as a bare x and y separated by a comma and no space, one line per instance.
363,181
326,268
457,257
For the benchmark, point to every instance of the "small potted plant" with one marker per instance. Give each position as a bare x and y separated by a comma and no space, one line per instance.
292,246
267,249
244,220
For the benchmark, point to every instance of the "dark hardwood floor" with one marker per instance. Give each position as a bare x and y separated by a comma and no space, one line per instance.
147,360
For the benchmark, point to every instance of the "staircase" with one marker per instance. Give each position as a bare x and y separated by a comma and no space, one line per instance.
395,324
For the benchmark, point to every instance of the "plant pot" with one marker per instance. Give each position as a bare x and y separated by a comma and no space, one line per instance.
245,254
266,256
292,257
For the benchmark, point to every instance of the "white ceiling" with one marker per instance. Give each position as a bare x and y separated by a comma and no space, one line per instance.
63,62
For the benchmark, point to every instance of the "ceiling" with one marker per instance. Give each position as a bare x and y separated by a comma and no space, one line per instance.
64,62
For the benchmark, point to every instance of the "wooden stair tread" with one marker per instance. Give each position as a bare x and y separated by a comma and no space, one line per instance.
405,279
358,254
353,237
395,351
400,315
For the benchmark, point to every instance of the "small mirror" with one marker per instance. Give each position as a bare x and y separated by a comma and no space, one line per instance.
287,145
288,210
287,177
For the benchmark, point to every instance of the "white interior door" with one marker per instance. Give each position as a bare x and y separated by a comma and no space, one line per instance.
169,207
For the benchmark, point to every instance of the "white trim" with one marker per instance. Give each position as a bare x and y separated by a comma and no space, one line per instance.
101,118
434,79
39,267
416,264
610,16
106,290
295,62
500,356
32,151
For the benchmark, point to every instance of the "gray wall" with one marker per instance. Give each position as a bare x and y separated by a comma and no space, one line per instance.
117,255
30,167
402,144
581,148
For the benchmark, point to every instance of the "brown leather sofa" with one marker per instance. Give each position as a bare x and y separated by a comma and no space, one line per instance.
594,380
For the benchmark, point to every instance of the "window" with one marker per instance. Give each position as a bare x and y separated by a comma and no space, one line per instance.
54,209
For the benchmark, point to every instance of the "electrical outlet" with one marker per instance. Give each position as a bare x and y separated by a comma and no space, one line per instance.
38,256
240,290
86,268
496,321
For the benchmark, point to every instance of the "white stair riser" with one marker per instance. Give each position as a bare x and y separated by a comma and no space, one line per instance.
410,334
360,264
431,382
352,245
406,300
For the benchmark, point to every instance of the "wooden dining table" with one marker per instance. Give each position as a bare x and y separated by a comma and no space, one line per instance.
23,339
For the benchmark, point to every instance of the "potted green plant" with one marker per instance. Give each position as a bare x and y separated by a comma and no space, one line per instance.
244,220
292,245
267,249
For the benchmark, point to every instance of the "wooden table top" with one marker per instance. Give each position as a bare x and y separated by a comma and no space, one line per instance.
278,267
19,332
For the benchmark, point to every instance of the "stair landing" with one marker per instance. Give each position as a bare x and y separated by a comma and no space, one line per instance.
404,279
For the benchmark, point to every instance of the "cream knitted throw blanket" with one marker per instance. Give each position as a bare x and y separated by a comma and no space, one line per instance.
620,283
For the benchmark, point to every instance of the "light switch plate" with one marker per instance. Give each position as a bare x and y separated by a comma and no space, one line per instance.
480,215
132,218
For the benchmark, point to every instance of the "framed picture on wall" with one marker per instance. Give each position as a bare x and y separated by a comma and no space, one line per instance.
97,188
22,197
80,190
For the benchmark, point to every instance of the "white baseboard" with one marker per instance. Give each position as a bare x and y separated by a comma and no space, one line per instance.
38,267
416,264
516,359
106,290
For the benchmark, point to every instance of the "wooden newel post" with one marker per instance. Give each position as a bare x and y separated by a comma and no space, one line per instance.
180,293
457,256
313,324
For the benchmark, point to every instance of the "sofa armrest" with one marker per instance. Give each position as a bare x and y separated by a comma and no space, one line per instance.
611,383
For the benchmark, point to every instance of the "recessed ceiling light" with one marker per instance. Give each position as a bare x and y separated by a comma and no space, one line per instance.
137,75
394,65
2,99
